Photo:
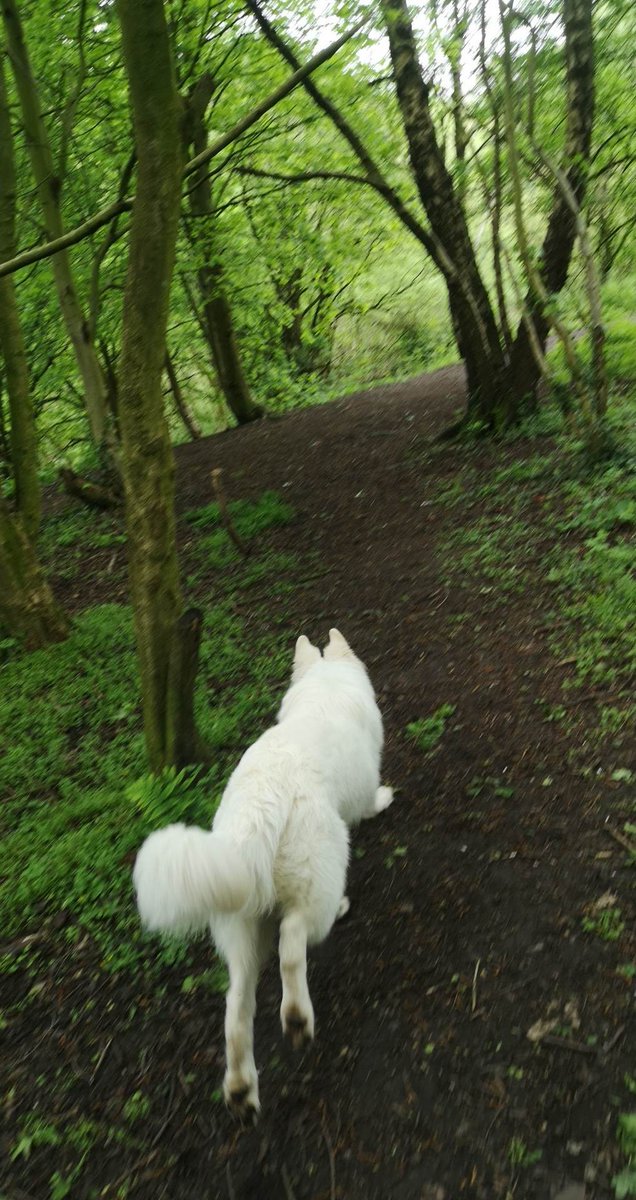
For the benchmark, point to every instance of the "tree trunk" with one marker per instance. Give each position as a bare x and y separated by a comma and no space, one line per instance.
147,460
24,462
27,608
473,319
217,314
49,187
561,232
179,402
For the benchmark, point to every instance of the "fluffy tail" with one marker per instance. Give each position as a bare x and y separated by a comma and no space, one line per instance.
184,874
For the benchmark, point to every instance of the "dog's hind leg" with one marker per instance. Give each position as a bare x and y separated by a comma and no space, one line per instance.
296,1013
381,801
245,945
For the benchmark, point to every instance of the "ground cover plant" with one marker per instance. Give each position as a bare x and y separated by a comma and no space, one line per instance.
518,681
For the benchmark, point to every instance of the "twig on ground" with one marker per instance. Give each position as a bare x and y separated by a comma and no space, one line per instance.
609,1045
289,1191
330,1152
561,1043
473,1001
226,519
621,839
101,1059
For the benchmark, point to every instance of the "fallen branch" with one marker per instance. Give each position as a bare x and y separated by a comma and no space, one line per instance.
473,1001
622,840
92,494
561,1043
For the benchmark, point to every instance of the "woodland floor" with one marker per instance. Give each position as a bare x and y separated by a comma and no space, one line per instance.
466,896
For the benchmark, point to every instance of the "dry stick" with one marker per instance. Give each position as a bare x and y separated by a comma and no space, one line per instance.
473,1002
609,1045
36,253
101,1059
622,841
230,1186
289,1191
561,1043
330,1152
224,512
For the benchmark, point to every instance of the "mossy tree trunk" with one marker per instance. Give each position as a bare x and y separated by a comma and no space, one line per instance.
49,189
218,324
28,610
146,453
499,384
23,440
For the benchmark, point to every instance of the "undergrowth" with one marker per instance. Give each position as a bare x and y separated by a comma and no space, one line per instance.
555,517
77,800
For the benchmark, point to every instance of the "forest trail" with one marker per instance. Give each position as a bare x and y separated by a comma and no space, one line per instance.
466,896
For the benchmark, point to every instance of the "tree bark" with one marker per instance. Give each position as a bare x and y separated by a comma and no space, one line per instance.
49,187
562,226
23,438
28,610
146,453
217,314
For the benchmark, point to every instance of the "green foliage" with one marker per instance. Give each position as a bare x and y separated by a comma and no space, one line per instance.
519,1154
136,1107
34,1133
607,924
590,562
157,797
625,1183
428,731
77,800
249,517
215,979
620,353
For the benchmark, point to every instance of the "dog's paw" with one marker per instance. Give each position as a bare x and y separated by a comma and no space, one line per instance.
298,1027
383,798
343,907
241,1097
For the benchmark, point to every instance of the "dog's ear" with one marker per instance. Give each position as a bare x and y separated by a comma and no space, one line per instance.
337,646
305,656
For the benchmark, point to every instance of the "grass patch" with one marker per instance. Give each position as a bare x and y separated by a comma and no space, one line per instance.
555,517
427,733
77,800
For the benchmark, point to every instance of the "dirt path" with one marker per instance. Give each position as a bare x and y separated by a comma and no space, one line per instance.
466,897
422,1082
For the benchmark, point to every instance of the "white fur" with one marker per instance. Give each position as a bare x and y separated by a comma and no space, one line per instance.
278,849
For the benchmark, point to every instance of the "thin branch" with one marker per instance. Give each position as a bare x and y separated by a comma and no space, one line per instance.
99,219
304,176
70,108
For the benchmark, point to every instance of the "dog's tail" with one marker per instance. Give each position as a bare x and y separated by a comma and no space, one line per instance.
184,874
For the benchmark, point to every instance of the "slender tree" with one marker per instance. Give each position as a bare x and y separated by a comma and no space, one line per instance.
23,440
49,188
146,454
218,324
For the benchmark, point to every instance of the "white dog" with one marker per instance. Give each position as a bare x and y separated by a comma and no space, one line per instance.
278,849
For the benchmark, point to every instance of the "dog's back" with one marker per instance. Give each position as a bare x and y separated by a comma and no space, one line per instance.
278,849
